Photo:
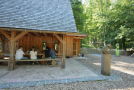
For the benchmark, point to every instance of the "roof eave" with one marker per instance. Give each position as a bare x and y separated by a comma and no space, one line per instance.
41,31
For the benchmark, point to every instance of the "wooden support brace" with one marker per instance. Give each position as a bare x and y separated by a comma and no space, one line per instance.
58,38
20,35
5,34
13,39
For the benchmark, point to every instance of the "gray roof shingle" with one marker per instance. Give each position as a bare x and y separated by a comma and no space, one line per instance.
51,15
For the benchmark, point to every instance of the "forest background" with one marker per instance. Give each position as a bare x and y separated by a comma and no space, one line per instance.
105,22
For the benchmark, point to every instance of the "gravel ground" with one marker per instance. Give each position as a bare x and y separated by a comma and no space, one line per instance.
122,66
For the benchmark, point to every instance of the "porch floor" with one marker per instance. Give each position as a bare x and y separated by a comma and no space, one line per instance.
33,75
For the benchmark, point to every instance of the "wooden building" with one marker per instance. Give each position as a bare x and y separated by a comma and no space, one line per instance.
35,23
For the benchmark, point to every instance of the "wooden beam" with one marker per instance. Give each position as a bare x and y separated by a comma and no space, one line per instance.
41,31
44,34
30,34
37,34
11,62
34,33
20,35
58,38
64,52
5,34
78,38
64,46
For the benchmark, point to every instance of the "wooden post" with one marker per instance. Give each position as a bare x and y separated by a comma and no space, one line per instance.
12,45
5,34
106,61
64,52
106,64
11,62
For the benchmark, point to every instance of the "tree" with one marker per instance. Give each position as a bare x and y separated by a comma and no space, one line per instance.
106,22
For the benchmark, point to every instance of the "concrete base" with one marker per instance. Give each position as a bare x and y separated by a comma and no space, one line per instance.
32,75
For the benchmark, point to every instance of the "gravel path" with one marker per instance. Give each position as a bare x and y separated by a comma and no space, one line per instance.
122,66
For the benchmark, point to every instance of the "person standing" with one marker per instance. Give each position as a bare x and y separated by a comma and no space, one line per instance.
117,51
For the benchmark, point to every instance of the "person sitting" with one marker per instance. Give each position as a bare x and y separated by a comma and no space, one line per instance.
19,54
33,54
52,53
47,52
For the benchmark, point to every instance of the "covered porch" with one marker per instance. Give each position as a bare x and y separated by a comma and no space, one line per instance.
64,44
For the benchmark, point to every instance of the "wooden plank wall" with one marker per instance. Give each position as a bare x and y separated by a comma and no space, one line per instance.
5,45
69,46
35,39
76,46
29,41
73,46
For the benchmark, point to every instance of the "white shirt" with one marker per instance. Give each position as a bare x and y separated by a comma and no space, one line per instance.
19,54
33,54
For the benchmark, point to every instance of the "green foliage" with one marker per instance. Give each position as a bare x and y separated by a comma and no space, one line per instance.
106,22
78,14
120,23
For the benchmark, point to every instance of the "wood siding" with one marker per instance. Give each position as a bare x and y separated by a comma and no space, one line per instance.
72,46
28,41
69,46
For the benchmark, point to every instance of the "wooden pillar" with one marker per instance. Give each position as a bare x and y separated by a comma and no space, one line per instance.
63,42
64,52
11,62
12,45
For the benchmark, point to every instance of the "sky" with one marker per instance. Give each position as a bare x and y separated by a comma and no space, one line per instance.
83,1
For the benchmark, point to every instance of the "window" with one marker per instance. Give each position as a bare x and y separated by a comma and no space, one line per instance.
56,46
44,45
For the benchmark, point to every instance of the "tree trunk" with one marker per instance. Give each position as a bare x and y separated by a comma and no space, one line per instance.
124,45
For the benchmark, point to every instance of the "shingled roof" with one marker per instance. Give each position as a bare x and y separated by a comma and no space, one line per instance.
49,15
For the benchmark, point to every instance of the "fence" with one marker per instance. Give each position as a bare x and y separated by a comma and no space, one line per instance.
98,51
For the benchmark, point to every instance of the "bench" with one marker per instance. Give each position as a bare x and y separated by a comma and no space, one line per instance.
3,60
53,61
